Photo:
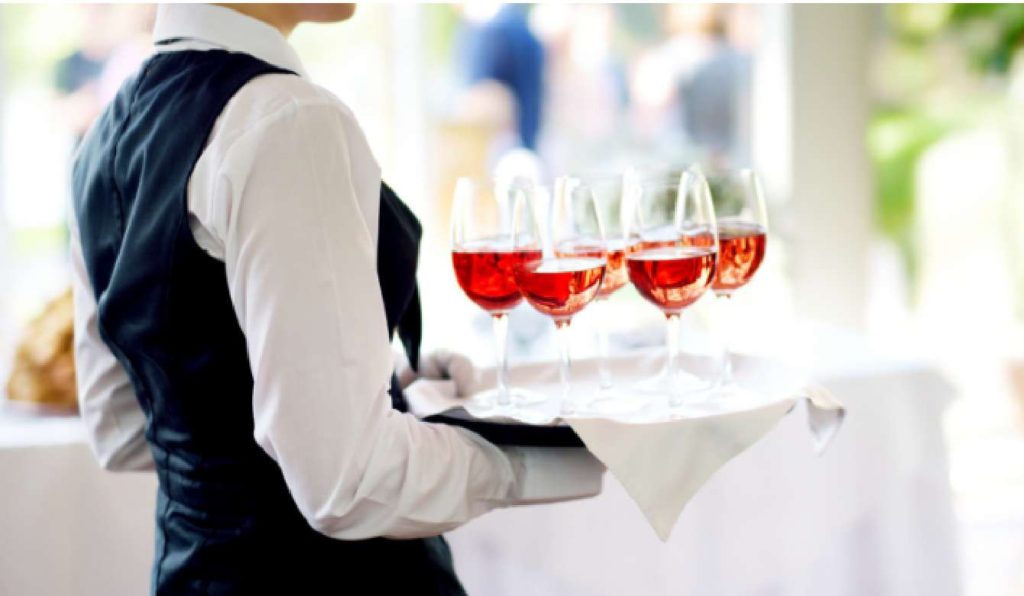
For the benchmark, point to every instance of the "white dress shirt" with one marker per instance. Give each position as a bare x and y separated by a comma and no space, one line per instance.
286,194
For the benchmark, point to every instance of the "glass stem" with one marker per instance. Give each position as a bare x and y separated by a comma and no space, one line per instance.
673,367
564,374
604,373
500,324
725,377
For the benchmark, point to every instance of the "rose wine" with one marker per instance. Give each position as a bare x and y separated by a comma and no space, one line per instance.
700,238
614,253
672,278
615,275
560,287
486,272
742,247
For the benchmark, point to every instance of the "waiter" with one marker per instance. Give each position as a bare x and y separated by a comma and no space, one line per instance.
239,269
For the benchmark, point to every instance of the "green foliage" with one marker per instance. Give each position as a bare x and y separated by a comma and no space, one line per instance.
441,26
917,23
989,33
33,38
992,33
727,195
896,140
918,38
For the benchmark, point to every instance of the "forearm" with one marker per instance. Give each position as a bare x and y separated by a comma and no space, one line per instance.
303,281
113,419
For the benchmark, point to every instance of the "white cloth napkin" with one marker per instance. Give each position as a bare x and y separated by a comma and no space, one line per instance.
662,457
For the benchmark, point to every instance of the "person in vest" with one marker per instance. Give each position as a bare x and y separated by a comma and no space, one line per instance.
239,270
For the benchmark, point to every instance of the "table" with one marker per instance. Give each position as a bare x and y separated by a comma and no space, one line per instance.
68,527
873,515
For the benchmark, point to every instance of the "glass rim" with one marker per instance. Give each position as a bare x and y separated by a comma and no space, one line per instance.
597,176
490,180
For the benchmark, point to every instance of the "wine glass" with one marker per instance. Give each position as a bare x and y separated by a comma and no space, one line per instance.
561,286
485,254
742,236
673,262
595,204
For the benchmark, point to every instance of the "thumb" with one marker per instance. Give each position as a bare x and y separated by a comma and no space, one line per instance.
465,374
435,364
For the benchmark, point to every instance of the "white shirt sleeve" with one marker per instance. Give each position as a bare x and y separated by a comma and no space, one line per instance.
278,205
301,269
113,419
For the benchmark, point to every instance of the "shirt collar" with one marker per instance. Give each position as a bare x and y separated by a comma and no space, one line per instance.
227,29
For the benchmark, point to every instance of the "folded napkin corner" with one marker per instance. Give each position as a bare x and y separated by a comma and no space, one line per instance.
825,415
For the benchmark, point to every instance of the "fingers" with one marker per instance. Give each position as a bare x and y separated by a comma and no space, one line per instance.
445,364
434,365
464,373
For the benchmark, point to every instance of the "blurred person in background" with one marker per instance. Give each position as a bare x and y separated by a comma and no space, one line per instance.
77,76
690,93
114,42
131,26
586,87
239,270
715,94
499,47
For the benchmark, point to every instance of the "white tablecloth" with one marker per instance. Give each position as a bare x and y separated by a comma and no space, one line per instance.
67,527
871,516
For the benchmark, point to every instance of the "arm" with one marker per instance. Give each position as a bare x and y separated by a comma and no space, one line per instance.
301,268
114,421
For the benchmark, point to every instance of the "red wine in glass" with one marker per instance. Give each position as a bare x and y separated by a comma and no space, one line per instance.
742,228
485,270
674,264
560,287
742,248
615,275
672,278
487,246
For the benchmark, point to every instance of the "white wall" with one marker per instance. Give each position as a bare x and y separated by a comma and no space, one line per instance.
5,260
811,111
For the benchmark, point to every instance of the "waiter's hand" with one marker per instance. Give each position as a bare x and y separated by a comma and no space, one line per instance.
545,474
441,365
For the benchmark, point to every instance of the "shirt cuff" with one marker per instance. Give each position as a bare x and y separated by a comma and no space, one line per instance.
552,474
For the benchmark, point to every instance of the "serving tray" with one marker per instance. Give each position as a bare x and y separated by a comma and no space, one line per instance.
511,433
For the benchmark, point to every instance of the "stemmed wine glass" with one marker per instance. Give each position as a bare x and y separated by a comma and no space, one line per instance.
673,262
486,251
742,237
561,286
594,204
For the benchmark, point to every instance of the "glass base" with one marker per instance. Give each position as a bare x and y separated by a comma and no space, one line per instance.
681,389
731,392
516,396
611,401
725,386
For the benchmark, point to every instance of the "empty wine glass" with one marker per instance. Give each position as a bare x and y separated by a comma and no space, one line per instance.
485,254
673,263
742,237
561,286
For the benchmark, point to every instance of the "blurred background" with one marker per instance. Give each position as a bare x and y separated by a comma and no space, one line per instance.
890,139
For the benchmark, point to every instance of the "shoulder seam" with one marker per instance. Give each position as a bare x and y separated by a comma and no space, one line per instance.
267,120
